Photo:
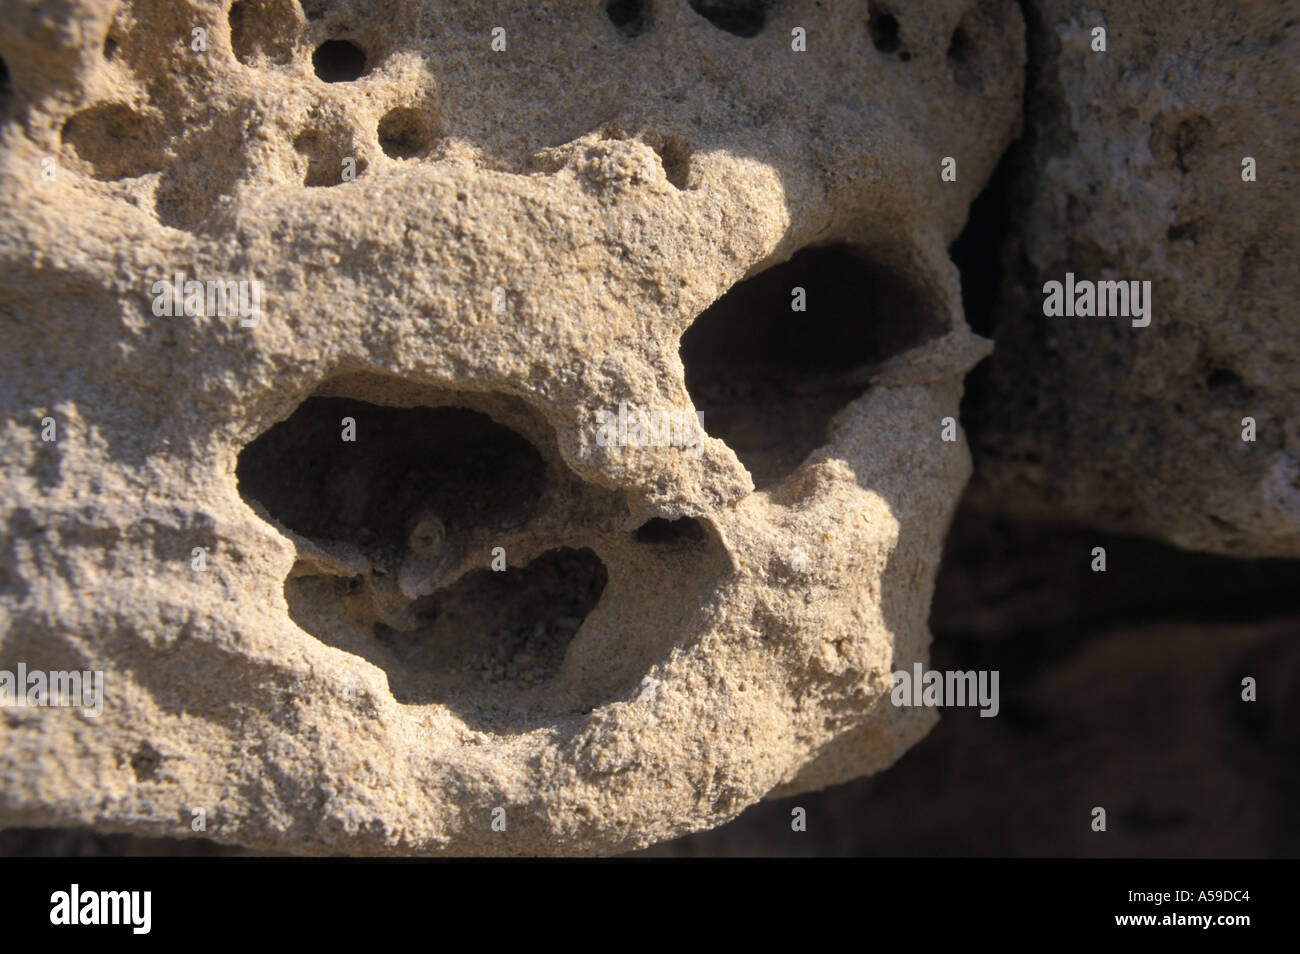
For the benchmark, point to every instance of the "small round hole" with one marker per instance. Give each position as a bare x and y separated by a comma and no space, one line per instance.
405,132
959,47
1221,378
629,16
883,27
339,61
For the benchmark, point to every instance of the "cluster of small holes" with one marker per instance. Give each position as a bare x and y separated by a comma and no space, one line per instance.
263,32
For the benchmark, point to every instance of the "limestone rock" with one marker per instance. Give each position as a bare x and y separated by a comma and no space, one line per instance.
351,541
1132,169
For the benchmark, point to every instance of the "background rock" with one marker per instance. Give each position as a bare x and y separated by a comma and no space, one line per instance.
1131,168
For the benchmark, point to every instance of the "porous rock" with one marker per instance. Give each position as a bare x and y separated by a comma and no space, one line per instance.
472,254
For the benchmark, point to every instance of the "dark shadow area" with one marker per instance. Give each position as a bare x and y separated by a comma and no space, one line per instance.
660,531
87,843
631,17
488,644
1003,576
744,18
397,530
457,463
6,89
768,378
494,633
339,61
1120,689
885,33
977,253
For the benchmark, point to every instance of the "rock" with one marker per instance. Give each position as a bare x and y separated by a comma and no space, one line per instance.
274,289
1132,169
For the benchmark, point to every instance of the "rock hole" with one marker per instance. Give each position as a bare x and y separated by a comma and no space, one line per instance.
434,489
457,463
1221,379
976,253
145,762
959,47
883,27
491,636
405,132
114,141
326,152
675,156
629,16
661,531
110,47
738,17
768,378
263,30
1182,232
6,88
964,61
339,61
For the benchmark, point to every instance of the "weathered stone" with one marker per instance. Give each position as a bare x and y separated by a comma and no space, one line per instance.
473,244
1132,169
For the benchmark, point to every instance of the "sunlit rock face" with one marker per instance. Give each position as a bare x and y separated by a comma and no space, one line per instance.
447,434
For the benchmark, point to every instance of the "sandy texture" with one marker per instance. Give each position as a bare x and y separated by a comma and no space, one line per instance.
529,233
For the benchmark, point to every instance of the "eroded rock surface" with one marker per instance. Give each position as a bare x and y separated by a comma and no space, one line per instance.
474,255
1132,169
